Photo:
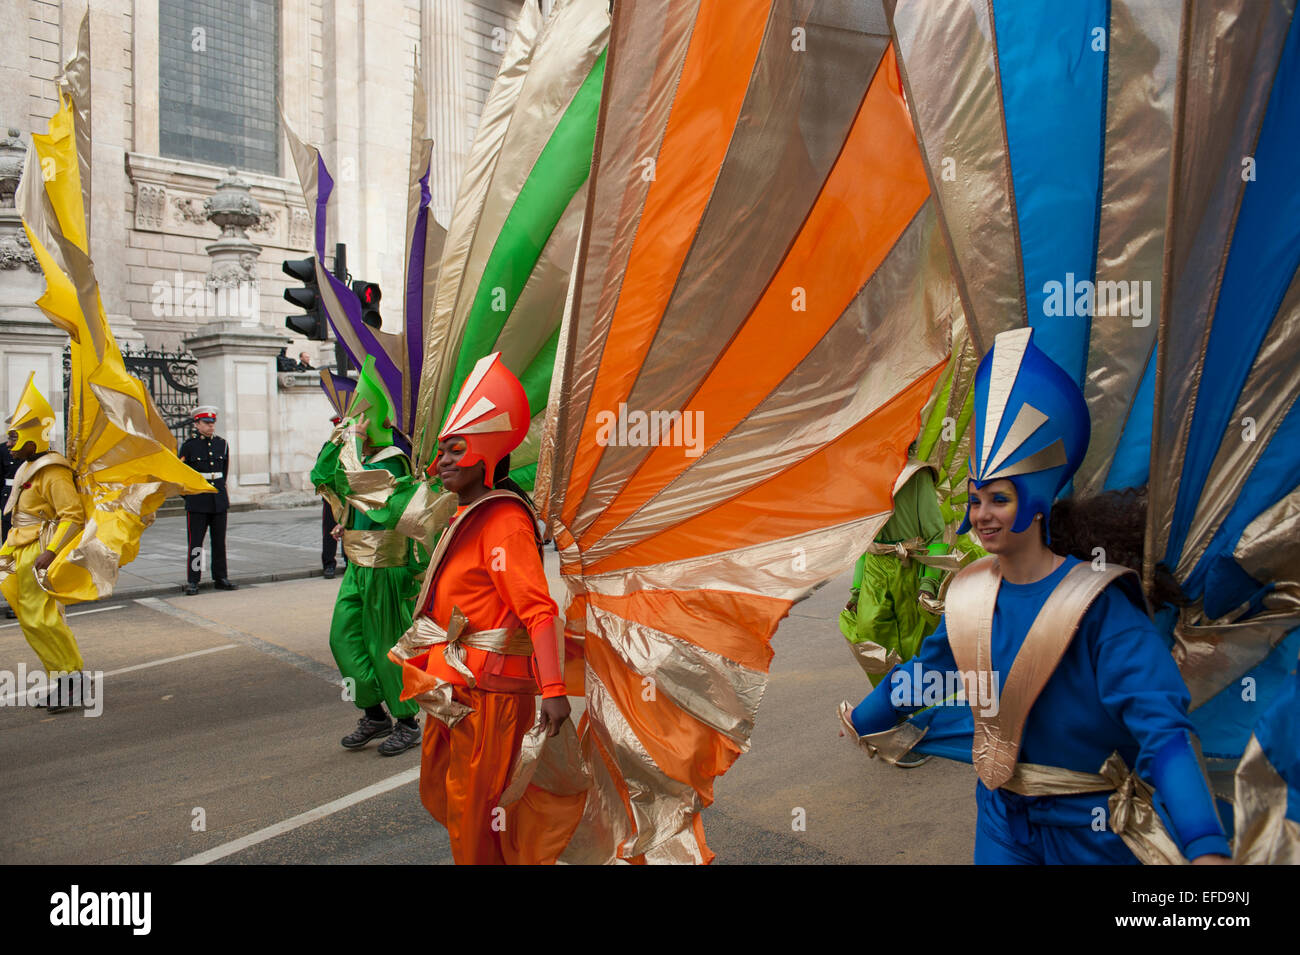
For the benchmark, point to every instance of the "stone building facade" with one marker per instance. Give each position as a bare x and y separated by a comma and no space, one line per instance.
182,90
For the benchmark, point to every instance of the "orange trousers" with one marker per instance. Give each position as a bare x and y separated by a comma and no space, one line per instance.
464,771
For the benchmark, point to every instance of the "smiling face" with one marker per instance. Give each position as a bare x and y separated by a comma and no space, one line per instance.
992,515
454,477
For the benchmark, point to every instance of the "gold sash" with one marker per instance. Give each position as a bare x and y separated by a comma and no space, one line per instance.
425,633
916,549
971,600
1132,815
375,548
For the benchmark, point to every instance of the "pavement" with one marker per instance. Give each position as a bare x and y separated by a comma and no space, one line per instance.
262,546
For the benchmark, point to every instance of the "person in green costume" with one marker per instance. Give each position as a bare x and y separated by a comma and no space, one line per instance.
377,594
896,584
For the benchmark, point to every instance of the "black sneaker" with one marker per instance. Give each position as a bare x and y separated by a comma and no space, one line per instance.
367,729
403,738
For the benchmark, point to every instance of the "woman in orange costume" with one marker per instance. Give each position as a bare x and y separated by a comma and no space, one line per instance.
486,636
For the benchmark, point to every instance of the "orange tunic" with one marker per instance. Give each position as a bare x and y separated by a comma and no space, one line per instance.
494,574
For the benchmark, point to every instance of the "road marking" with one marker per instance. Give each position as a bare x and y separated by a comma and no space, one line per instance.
79,613
8,699
183,656
302,819
317,669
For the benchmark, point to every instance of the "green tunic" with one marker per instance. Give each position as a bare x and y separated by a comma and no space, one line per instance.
374,605
888,614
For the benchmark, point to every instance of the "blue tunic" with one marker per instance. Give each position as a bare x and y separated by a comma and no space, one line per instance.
1116,689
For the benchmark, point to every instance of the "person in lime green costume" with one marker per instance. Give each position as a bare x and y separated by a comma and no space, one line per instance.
884,620
378,590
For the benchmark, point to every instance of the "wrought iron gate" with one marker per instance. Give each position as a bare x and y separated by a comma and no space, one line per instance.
171,378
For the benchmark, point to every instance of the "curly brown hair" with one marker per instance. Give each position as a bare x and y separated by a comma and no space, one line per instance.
1114,521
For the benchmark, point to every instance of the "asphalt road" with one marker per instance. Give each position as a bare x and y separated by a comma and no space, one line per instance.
221,718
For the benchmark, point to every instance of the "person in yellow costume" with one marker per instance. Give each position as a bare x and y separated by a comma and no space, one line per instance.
47,516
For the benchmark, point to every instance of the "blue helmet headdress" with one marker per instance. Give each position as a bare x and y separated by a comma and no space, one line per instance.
1031,425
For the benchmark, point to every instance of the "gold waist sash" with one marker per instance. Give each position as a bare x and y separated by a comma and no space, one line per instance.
375,548
1132,816
25,519
425,633
915,549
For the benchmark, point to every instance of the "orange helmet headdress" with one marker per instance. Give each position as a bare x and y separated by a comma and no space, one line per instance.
490,414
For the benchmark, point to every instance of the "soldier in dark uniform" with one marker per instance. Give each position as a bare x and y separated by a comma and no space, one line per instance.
208,454
328,542
9,467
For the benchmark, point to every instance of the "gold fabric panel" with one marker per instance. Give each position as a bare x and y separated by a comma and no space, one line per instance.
375,548
1141,57
948,62
714,690
1263,834
661,806
891,745
874,659
605,824
426,515
554,764
1211,654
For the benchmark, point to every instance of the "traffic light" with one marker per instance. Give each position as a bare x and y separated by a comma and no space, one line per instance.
368,294
312,325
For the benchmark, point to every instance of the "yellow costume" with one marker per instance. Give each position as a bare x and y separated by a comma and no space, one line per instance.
47,516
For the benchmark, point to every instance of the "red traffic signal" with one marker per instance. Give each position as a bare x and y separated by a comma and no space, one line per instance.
368,295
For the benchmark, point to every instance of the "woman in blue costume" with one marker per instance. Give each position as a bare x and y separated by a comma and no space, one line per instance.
1069,682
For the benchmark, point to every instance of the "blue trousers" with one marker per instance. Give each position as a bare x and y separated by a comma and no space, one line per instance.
1006,834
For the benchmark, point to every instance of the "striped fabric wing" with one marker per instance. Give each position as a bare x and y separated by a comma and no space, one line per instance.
762,306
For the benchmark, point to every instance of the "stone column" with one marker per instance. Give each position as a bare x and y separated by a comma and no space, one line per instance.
231,285
237,375
443,61
29,342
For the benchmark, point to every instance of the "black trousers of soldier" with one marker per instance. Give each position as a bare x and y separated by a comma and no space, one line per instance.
328,545
197,524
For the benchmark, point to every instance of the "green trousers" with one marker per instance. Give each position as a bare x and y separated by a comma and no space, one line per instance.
372,612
